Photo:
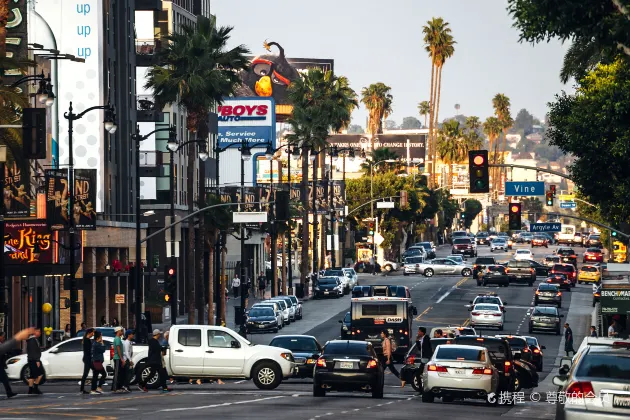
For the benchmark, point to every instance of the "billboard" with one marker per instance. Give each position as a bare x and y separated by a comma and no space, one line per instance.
615,301
395,142
16,194
84,213
20,239
270,74
57,199
264,172
249,120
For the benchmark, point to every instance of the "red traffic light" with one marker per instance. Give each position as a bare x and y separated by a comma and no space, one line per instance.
553,188
171,271
478,160
515,209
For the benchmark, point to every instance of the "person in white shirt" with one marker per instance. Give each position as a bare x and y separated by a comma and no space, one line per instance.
236,284
611,329
128,358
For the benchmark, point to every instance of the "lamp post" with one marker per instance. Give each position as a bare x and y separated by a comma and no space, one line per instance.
110,126
313,158
138,138
174,147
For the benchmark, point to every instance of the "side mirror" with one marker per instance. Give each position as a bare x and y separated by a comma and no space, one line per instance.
559,380
54,350
543,347
563,370
235,344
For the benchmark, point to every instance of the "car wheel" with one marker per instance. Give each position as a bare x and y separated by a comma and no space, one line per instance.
501,328
360,270
428,272
389,268
466,272
143,371
416,383
491,250
427,397
267,375
318,391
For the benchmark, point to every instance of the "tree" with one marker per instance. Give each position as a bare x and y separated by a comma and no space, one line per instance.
439,43
380,155
524,121
196,71
322,103
378,100
410,123
424,109
472,138
492,129
450,146
391,125
471,209
599,143
501,105
355,129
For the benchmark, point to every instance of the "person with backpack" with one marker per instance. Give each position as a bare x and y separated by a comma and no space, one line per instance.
388,350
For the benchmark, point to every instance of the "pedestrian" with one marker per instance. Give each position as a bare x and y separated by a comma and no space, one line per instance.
593,331
66,332
34,354
155,363
115,322
9,345
387,353
83,328
262,285
86,344
373,265
612,329
98,350
119,363
128,360
3,375
236,284
568,339
423,345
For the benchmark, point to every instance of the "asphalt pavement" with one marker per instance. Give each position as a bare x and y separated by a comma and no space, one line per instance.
440,301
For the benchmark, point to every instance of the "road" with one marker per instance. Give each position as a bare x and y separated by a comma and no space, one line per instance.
440,301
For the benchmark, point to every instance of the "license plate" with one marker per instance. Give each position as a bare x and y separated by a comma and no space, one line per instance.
545,320
460,372
621,401
326,293
497,274
346,365
261,326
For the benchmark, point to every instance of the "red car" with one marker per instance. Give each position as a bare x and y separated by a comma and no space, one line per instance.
566,269
593,254
540,240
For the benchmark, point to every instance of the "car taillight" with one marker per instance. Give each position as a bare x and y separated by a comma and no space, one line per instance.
496,314
506,367
482,371
410,360
537,292
559,294
507,270
475,313
372,364
321,362
549,280
536,351
580,390
525,350
111,353
436,368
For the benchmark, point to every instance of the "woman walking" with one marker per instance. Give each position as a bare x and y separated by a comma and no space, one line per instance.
86,342
98,349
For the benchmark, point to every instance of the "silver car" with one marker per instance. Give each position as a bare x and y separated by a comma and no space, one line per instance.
352,276
487,315
444,266
597,386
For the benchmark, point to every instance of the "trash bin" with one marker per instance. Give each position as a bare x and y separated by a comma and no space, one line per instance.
238,315
299,291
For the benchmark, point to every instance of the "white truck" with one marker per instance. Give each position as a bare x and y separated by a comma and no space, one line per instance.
566,235
207,351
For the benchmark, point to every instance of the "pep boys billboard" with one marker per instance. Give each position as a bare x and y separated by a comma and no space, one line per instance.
252,120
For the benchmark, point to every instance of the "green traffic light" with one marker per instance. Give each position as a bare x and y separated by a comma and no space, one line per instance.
479,183
614,234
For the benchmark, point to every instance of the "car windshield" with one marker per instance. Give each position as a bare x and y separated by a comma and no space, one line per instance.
605,366
496,347
563,268
531,341
461,241
486,308
498,241
460,353
328,280
523,251
347,348
255,312
347,318
498,268
296,344
545,287
519,264
597,250
565,251
486,299
545,310
516,342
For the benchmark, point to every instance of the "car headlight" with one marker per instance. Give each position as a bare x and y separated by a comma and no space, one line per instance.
287,356
250,322
13,361
345,328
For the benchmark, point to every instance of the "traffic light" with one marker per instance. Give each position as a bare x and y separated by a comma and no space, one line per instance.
613,234
514,216
552,188
550,195
34,133
371,228
478,173
170,283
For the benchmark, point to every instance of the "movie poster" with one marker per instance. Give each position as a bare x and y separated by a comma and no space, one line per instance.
17,199
27,242
339,195
57,199
84,212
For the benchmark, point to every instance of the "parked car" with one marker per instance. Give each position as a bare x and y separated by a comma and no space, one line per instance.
429,247
328,287
346,326
261,319
276,308
306,350
352,276
338,272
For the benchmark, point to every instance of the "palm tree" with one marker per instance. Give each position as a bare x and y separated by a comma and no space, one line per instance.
492,128
379,155
501,105
378,101
196,71
322,102
424,108
450,145
473,140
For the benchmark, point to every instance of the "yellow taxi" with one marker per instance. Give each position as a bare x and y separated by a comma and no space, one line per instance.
589,274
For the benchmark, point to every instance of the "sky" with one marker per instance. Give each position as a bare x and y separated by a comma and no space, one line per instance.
376,41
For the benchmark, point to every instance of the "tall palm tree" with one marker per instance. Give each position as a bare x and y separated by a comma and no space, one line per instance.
473,140
196,71
378,101
492,129
322,103
501,105
379,155
450,146
424,109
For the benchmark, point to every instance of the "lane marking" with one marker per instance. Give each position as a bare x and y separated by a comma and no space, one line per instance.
240,382
423,313
203,407
448,292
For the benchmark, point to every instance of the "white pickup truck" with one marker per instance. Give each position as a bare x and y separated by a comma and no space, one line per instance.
207,351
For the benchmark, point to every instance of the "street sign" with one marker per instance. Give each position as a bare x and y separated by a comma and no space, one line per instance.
385,205
119,298
568,205
378,239
566,197
545,227
249,217
524,188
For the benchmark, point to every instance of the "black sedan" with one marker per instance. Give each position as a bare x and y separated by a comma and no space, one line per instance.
328,287
346,325
306,350
261,319
548,293
537,352
495,274
560,280
347,365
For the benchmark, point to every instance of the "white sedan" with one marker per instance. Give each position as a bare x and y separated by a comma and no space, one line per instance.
487,315
523,254
498,244
62,361
352,276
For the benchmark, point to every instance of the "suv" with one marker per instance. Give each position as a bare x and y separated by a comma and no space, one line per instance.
593,240
480,267
567,255
521,271
464,246
428,247
545,318
566,269
500,355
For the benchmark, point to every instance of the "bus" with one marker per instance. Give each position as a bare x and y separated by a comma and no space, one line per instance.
371,315
566,235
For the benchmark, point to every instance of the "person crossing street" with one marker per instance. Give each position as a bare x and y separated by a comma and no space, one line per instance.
387,353
86,343
119,362
34,354
3,375
155,363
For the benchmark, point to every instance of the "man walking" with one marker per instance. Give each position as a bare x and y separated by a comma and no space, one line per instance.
373,265
119,363
34,354
262,285
236,284
86,344
3,375
155,362
612,330
387,353
568,339
127,360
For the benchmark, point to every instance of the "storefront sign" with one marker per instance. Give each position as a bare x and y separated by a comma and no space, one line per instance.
249,120
615,301
20,243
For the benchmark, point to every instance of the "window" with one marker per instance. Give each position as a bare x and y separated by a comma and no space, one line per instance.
346,348
382,309
70,346
460,353
189,337
220,339
608,366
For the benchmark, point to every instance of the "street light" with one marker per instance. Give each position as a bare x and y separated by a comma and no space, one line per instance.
110,126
